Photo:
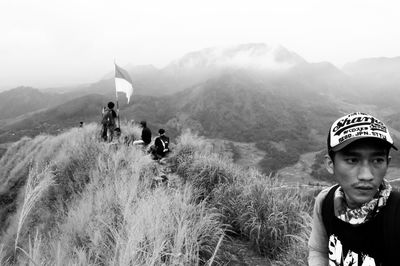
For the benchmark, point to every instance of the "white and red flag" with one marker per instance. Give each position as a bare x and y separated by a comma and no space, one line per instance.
123,82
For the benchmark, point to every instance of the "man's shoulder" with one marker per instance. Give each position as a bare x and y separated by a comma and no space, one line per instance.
394,201
319,200
395,195
323,193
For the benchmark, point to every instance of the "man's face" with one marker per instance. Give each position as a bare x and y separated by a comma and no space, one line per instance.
359,169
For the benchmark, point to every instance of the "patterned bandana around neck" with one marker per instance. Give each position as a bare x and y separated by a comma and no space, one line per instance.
366,211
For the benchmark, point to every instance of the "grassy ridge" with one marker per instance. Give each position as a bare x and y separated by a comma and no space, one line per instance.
100,209
98,204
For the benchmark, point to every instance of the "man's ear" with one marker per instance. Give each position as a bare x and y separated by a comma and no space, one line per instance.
389,159
329,164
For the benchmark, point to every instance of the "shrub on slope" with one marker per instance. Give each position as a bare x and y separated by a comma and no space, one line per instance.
257,207
196,163
263,212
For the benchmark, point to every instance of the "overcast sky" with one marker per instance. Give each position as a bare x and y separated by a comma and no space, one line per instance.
45,43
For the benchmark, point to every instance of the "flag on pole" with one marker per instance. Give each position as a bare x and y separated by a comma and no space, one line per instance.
123,82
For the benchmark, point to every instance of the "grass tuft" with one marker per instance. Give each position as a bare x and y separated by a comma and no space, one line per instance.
38,182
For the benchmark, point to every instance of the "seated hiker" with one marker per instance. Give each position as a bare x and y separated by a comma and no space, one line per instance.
117,133
146,133
161,143
108,122
117,140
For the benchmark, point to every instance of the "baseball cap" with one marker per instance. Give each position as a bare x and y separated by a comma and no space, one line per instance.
354,126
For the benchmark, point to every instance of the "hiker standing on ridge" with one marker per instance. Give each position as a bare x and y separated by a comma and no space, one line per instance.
146,133
108,122
161,145
357,221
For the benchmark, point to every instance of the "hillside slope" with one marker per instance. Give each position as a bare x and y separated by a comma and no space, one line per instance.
70,199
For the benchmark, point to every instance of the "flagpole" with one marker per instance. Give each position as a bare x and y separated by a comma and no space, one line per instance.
119,124
116,95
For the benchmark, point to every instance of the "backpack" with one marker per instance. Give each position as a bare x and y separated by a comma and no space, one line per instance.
108,118
164,141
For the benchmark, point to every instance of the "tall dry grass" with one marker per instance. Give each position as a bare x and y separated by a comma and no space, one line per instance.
122,221
296,252
104,207
68,157
32,256
2,254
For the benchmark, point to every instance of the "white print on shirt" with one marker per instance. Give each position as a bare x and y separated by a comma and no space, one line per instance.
336,255
163,143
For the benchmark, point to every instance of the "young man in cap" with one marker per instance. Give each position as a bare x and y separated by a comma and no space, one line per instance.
357,221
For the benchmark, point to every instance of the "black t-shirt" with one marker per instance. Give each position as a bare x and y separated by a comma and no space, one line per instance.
376,240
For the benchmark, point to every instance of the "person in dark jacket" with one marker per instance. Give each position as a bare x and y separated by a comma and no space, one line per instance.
146,133
356,222
108,122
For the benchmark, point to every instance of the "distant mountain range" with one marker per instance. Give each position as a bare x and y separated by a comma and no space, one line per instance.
378,78
249,93
23,100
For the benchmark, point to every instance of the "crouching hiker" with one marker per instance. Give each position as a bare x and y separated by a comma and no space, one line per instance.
117,140
161,143
357,221
117,137
108,122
